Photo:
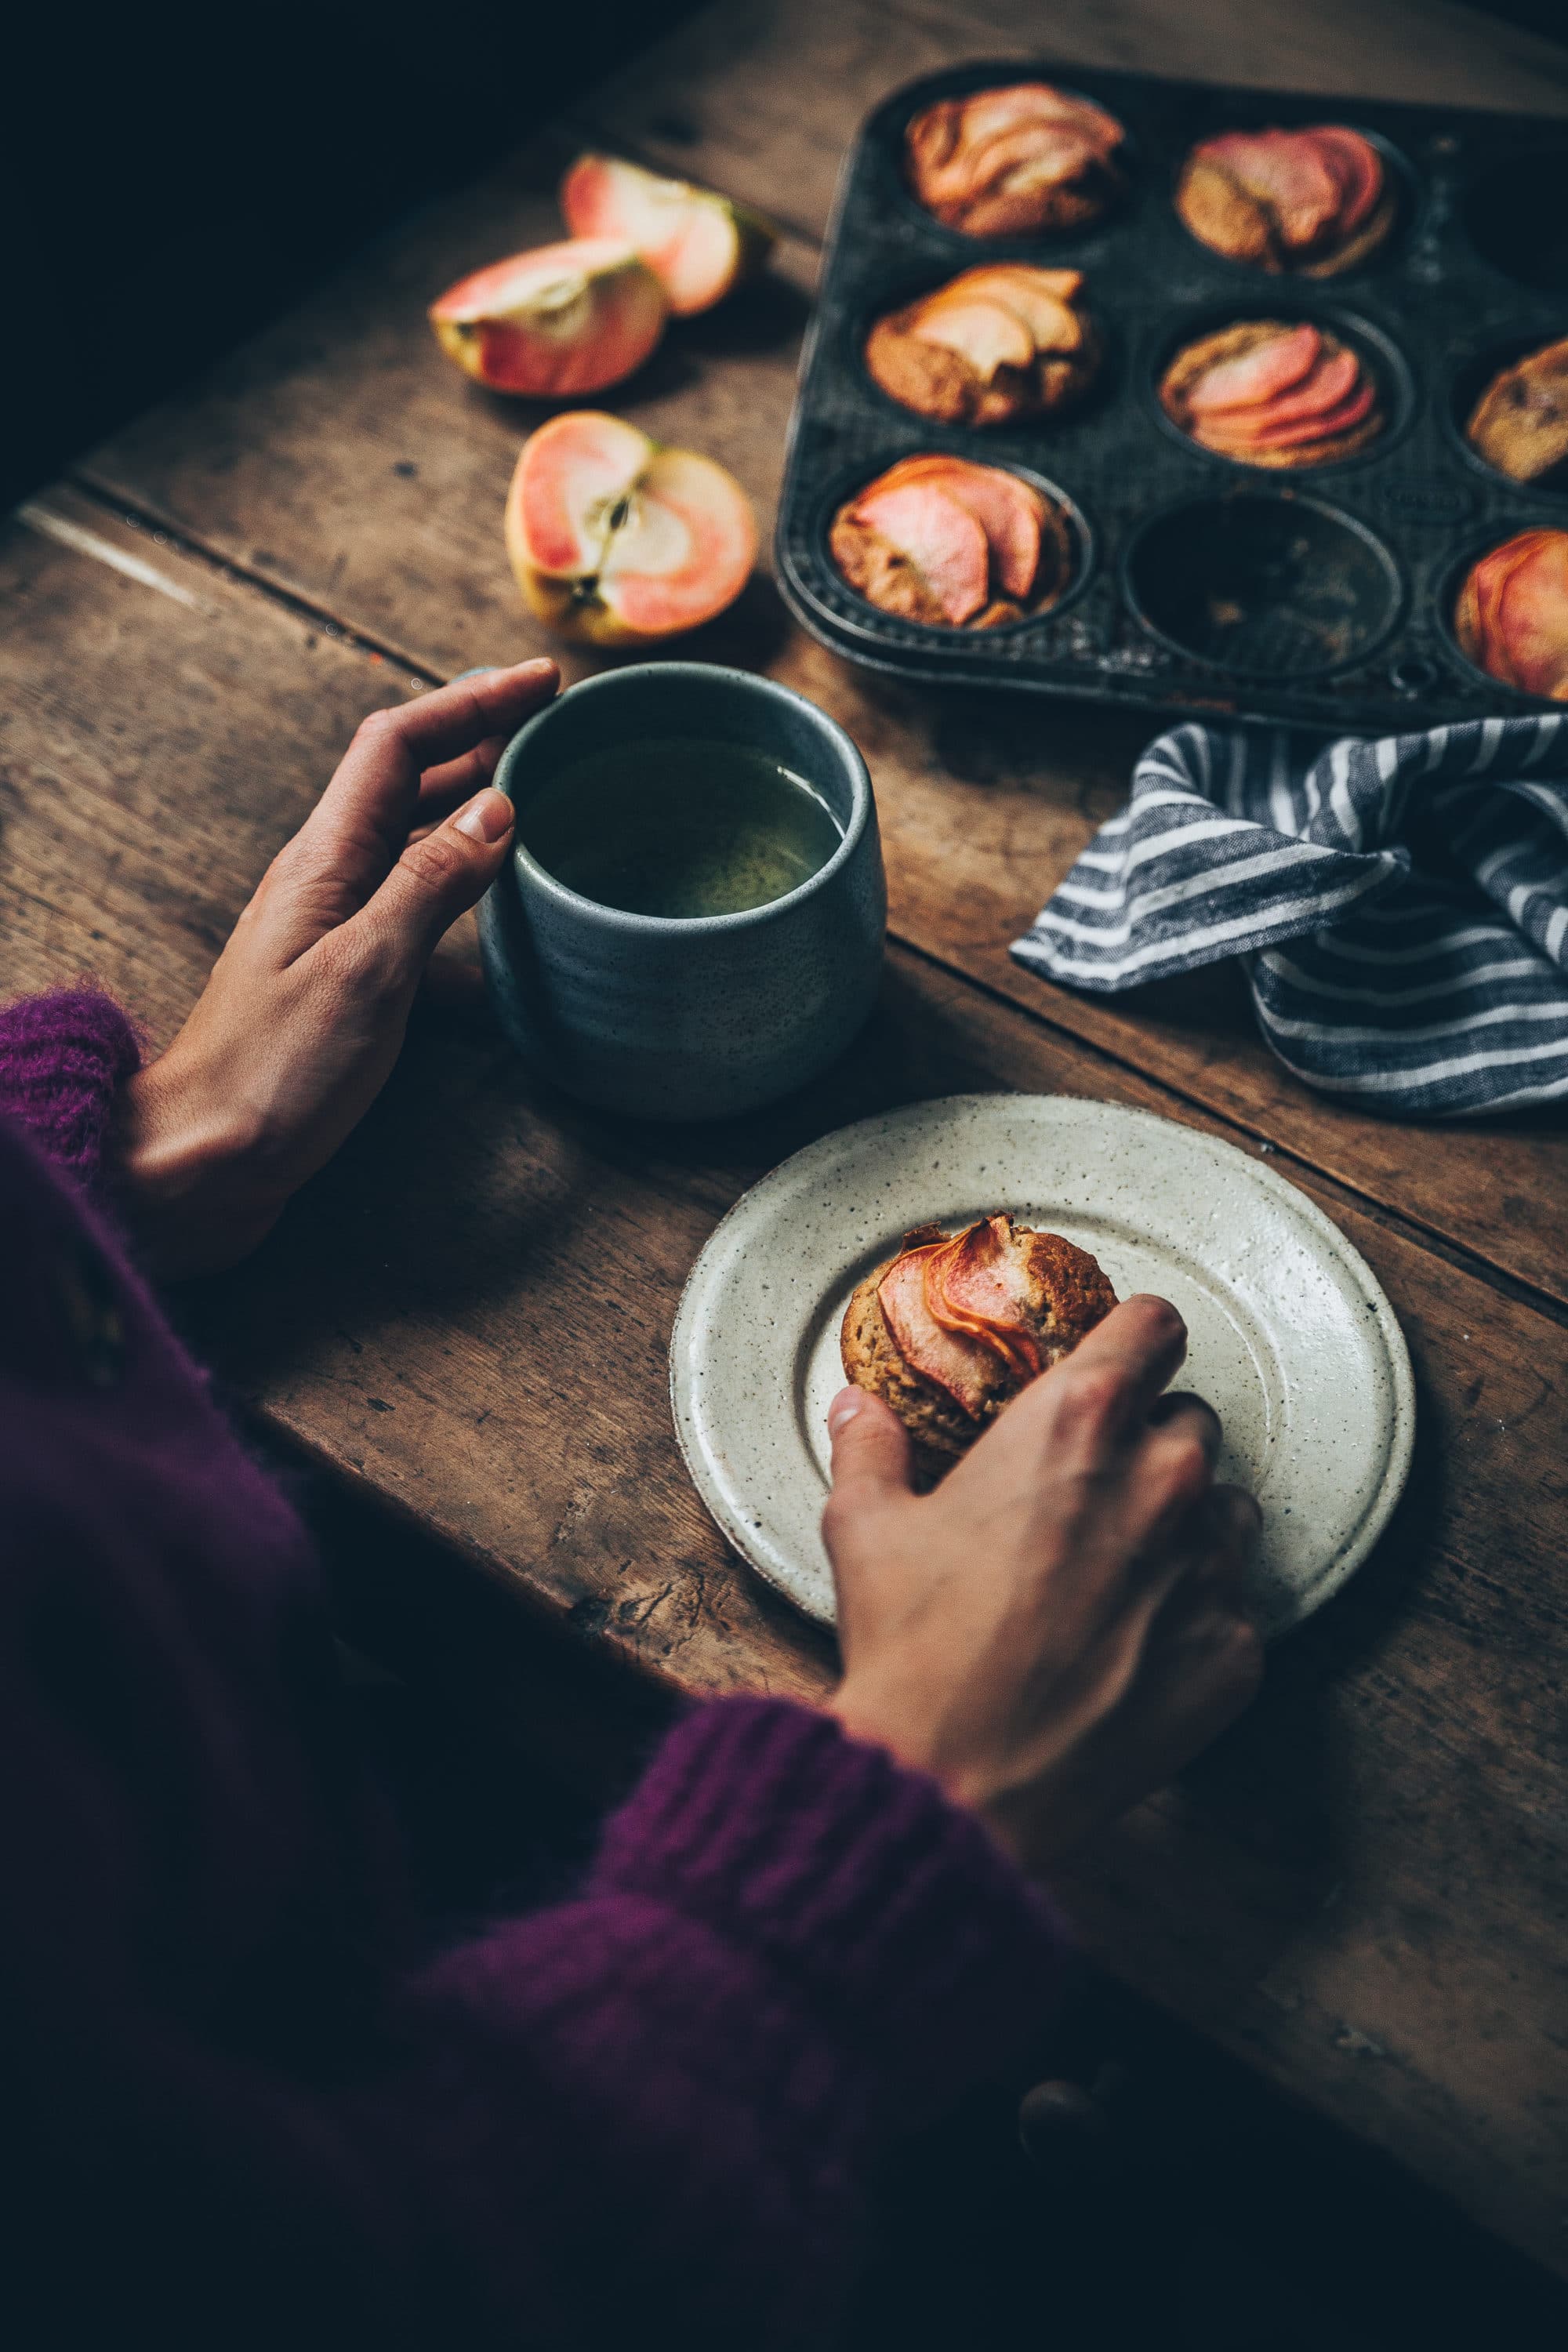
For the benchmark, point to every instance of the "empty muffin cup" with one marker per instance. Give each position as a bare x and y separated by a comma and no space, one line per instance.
1263,585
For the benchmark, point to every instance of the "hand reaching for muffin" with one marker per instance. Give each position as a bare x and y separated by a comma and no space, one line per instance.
1063,1623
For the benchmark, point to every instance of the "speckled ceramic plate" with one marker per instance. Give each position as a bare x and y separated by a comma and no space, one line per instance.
1291,1339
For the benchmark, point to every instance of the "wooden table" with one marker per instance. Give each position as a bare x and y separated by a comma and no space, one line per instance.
1362,1891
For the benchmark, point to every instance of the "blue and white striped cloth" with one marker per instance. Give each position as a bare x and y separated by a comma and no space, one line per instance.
1401,905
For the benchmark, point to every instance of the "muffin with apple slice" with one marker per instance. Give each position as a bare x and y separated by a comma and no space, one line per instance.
949,1329
1519,424
1014,160
1314,200
956,545
1270,393
995,344
1512,618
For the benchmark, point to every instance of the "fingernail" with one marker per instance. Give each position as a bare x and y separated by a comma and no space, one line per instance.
843,1409
486,816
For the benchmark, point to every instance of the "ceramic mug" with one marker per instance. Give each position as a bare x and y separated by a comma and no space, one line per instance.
703,1017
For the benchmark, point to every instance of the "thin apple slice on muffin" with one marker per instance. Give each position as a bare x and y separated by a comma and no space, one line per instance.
949,1330
995,344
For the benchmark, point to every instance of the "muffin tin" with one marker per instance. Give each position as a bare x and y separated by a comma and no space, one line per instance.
1322,596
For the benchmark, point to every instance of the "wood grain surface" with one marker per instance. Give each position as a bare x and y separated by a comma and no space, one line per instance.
342,458
1362,1890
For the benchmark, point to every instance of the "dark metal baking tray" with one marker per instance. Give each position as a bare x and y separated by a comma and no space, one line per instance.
1347,571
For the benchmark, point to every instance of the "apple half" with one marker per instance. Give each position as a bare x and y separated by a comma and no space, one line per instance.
560,319
698,245
615,538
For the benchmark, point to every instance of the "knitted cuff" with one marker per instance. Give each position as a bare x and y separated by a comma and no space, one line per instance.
898,1921
62,1057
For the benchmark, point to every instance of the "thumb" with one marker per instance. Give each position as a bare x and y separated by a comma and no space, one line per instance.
871,1453
439,877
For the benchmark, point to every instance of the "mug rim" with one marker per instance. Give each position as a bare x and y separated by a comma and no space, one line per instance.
622,918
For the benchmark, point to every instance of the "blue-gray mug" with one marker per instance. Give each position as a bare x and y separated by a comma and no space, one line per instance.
700,1016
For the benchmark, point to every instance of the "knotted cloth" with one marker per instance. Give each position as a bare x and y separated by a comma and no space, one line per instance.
1401,905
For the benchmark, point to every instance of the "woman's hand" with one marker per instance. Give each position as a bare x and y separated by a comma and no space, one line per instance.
1060,1626
304,1014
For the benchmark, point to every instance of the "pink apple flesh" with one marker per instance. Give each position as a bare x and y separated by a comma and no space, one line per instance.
564,318
612,538
940,537
1007,510
697,244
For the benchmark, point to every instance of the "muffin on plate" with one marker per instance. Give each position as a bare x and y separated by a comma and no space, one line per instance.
995,344
1270,393
951,1327
1008,161
1511,617
1315,201
1519,425
960,546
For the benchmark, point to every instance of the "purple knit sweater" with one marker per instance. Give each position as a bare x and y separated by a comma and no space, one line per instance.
247,2113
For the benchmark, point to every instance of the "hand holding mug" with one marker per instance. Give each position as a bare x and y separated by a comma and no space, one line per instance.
301,1020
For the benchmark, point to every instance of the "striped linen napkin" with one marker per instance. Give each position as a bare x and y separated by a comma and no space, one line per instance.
1401,905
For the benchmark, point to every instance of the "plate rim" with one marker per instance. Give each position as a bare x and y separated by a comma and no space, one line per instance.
1396,1471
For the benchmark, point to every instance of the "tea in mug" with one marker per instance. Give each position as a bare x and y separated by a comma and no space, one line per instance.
679,826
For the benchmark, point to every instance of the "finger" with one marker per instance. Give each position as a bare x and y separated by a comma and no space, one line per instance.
1172,1468
871,1462
437,879
440,725
1177,1402
354,834
1230,1527
1084,1407
1204,1570
454,781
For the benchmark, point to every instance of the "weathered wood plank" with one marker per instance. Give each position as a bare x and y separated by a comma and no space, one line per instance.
1362,1890
340,458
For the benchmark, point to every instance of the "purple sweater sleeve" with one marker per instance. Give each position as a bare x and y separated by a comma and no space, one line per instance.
789,1949
663,2097
62,1058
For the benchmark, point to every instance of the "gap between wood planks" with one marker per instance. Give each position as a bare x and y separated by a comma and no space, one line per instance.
41,517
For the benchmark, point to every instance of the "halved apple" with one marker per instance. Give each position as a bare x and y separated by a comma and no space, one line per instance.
697,244
614,538
564,318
